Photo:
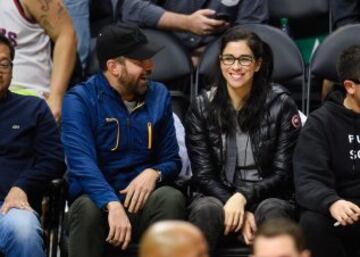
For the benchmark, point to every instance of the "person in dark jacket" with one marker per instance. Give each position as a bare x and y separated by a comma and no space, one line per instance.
240,137
31,155
194,23
120,143
327,167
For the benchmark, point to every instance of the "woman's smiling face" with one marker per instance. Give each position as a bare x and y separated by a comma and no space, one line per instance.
240,74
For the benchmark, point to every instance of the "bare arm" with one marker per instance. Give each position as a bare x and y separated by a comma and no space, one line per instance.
153,15
53,17
199,22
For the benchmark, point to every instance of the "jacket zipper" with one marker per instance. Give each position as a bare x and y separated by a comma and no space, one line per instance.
150,132
108,120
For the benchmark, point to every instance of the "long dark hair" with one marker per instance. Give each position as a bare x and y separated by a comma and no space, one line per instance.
221,109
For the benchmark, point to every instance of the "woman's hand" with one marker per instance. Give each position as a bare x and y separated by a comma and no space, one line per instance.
249,228
234,213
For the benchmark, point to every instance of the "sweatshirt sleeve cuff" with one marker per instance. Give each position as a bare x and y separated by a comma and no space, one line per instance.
224,198
167,173
105,199
21,183
327,202
248,194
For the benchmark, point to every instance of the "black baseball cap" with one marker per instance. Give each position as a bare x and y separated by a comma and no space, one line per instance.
124,40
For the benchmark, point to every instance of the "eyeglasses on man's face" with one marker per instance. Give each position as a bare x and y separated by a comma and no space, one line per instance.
5,65
244,60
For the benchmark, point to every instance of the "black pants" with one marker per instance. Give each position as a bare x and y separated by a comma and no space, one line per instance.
88,225
325,240
345,12
208,214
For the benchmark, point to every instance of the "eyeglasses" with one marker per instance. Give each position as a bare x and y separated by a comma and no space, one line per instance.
244,60
5,65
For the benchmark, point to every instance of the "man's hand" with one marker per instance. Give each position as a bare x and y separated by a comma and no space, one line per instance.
345,212
249,228
119,225
202,23
16,198
234,213
139,190
54,104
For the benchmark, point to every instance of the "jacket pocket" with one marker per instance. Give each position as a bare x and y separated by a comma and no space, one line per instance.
108,135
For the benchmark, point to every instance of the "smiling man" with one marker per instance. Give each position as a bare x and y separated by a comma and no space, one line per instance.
121,147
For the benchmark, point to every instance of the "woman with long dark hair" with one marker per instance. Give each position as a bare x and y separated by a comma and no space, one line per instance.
240,136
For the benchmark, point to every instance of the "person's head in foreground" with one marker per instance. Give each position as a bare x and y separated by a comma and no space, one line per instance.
173,239
279,238
348,67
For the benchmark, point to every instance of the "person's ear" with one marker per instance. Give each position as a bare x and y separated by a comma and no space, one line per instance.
114,67
258,65
349,86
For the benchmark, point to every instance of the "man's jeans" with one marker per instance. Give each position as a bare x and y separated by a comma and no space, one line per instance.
79,12
20,234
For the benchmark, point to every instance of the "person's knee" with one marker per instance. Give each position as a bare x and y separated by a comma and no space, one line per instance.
206,208
22,226
169,196
274,208
312,221
83,210
169,199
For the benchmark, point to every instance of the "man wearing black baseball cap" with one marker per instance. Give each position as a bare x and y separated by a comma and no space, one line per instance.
120,144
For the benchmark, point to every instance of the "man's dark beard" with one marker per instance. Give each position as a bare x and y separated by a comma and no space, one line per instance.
139,97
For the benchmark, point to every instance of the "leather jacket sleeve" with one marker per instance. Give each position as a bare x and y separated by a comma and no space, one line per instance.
278,179
206,173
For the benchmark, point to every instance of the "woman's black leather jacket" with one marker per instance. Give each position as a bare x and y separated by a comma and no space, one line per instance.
273,145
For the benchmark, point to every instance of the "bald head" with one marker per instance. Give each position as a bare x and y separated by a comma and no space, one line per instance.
173,239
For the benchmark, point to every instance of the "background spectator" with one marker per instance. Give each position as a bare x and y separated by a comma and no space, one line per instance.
30,25
193,22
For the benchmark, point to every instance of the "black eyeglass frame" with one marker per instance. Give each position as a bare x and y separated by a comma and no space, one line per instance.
251,59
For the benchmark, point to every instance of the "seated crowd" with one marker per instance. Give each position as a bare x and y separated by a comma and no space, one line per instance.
253,164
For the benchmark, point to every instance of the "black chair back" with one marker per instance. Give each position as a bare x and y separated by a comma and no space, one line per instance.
172,63
323,62
302,15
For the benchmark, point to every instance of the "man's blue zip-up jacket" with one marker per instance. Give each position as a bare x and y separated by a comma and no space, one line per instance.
106,147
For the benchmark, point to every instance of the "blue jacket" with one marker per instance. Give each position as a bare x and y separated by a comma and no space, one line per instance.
107,147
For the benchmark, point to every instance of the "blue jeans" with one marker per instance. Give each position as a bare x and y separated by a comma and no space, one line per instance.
79,12
20,234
